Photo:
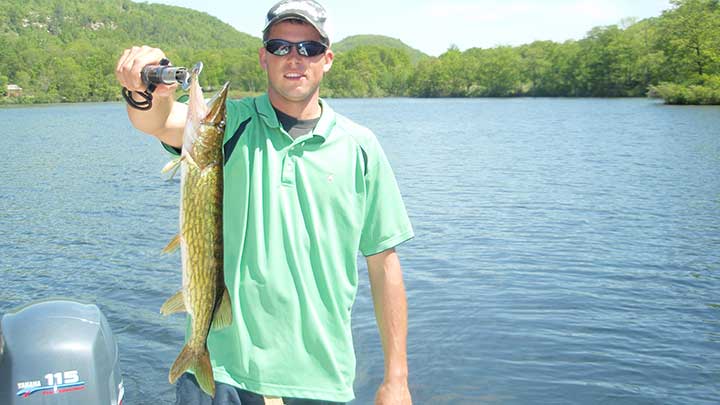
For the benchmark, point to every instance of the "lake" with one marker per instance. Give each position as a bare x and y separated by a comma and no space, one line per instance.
567,251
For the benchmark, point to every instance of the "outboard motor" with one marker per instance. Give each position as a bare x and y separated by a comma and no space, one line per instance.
58,352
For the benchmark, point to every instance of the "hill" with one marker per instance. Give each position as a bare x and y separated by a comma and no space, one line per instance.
355,41
122,21
66,50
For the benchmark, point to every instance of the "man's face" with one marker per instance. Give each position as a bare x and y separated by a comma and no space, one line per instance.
293,77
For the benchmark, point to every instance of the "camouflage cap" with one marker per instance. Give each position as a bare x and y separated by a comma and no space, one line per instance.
309,11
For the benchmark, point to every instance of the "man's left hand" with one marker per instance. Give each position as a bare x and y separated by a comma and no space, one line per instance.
393,393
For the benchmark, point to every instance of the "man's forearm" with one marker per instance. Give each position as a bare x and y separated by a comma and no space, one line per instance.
390,302
160,121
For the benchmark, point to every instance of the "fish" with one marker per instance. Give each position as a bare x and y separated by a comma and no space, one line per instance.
203,294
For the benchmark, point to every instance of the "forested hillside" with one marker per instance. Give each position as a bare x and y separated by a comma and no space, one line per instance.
682,46
355,41
65,50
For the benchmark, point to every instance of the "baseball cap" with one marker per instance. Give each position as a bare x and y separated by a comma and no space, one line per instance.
309,11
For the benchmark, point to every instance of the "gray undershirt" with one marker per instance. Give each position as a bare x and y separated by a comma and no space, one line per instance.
295,127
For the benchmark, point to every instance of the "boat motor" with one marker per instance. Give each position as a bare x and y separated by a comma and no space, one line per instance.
58,352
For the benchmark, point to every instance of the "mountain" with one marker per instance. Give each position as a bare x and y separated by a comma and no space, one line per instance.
122,21
66,50
378,40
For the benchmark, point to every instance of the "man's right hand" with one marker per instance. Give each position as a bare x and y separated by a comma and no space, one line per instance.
130,65
166,119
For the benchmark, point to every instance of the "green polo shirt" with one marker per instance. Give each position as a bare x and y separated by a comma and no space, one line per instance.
296,212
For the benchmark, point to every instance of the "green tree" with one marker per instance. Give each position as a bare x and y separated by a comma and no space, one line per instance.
649,63
424,82
537,68
75,83
599,60
368,71
692,38
454,77
244,70
498,71
4,81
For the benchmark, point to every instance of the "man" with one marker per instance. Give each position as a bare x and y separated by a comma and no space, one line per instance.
304,190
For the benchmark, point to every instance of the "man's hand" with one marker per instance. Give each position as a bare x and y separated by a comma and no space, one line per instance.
131,63
166,119
393,393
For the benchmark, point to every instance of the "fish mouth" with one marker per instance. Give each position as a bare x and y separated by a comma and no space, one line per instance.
216,113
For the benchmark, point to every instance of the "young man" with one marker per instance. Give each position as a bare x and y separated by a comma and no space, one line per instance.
304,190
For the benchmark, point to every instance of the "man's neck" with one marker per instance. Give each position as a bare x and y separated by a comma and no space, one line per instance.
302,110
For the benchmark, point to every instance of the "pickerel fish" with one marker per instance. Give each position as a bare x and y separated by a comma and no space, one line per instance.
203,295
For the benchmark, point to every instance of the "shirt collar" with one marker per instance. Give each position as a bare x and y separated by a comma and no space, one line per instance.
322,129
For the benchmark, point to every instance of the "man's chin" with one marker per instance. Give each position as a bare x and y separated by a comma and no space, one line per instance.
294,94
297,96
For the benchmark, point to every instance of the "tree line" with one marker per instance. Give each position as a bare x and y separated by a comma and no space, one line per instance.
675,55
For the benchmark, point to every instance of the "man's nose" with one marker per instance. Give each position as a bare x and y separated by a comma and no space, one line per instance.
294,52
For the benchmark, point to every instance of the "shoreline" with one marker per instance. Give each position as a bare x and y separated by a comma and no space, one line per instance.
3,104
245,94
242,94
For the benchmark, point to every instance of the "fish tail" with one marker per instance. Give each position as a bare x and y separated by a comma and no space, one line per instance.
199,363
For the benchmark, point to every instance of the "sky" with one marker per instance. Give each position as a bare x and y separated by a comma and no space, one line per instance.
433,26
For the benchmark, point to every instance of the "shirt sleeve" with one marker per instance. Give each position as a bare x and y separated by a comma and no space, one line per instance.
171,149
386,222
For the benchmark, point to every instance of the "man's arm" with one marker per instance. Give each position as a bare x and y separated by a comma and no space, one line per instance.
166,119
388,292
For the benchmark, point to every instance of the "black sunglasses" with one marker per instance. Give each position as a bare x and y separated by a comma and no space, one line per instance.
281,47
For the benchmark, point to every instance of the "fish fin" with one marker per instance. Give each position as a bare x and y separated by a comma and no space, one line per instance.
174,304
173,245
223,313
173,165
199,363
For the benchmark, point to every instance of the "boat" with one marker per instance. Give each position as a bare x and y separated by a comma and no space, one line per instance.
58,352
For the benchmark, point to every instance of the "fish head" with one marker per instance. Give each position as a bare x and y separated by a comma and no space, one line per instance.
216,107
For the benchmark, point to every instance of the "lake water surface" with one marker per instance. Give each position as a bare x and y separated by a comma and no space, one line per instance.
567,251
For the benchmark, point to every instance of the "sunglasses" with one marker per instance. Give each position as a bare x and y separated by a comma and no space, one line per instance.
280,47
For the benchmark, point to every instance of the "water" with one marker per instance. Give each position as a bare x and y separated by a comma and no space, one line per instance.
567,251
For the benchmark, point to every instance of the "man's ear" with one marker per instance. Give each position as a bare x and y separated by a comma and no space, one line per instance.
262,57
329,57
